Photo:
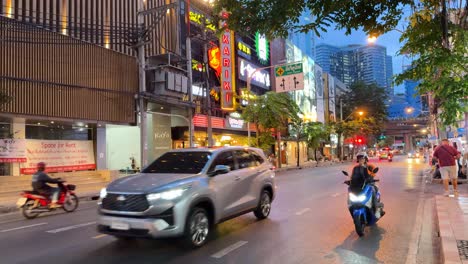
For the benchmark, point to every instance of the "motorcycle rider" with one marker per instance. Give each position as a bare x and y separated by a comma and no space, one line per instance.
39,184
361,174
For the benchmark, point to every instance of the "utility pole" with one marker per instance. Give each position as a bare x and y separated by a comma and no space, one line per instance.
341,120
207,83
189,84
142,88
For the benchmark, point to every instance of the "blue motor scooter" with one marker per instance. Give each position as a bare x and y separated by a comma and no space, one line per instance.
360,205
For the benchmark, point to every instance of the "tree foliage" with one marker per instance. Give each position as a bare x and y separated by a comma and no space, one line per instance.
440,56
277,18
370,99
269,111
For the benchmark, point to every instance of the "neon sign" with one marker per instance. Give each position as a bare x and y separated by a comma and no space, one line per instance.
227,70
244,50
214,57
198,19
235,123
262,48
259,78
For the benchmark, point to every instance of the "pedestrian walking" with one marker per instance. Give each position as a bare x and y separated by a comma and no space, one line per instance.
447,156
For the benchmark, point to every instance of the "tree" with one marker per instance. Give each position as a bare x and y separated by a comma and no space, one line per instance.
437,38
277,18
369,98
268,112
315,132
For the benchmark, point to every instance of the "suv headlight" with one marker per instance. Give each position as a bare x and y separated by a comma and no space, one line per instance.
103,193
167,195
357,198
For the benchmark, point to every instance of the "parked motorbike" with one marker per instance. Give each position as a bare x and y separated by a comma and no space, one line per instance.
361,207
32,203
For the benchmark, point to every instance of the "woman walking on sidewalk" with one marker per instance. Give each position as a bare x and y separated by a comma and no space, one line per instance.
446,155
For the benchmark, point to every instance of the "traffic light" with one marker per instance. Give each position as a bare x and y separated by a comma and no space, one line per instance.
359,140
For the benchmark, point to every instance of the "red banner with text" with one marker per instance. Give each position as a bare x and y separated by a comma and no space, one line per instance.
59,155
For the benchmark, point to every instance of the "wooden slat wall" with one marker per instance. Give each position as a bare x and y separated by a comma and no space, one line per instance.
50,74
88,20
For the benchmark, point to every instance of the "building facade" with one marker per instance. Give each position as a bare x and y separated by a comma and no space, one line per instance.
70,68
352,63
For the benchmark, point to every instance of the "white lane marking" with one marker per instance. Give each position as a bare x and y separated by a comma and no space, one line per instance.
229,249
69,227
99,236
22,227
336,195
302,211
412,254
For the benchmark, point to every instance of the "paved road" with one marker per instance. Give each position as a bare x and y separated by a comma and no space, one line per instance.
309,223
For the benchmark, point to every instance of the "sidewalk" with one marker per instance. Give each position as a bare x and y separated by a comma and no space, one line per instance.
309,164
452,216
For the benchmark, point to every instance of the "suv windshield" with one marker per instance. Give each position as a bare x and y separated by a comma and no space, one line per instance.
179,162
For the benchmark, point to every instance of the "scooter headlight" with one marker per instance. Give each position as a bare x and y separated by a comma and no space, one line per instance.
103,193
357,198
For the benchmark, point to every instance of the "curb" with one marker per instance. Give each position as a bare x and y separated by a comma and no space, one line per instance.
449,251
310,165
10,208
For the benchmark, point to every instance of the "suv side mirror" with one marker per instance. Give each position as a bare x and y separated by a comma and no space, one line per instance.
220,169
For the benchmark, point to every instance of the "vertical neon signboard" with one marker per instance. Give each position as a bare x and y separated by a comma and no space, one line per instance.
227,71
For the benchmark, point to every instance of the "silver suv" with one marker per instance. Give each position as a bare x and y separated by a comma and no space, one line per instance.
186,192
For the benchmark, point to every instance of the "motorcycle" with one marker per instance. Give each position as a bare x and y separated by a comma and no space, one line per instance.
361,207
32,203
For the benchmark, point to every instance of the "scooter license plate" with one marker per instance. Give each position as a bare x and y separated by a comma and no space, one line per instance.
120,226
21,201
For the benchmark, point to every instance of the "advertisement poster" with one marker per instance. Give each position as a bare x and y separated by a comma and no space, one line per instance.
12,150
59,155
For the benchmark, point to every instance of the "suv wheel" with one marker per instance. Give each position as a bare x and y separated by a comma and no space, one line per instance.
264,206
197,228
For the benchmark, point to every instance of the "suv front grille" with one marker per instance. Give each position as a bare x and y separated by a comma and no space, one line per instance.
125,202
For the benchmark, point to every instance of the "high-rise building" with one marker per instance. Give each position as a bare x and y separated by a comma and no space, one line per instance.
304,41
323,55
352,63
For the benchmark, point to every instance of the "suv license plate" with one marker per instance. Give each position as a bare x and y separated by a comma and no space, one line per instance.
120,226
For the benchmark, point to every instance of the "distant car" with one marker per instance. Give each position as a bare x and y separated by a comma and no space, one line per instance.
414,155
186,192
385,153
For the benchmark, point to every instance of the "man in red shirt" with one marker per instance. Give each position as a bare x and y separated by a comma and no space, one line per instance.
446,155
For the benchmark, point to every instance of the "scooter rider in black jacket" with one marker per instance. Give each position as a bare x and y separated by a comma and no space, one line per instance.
359,177
39,184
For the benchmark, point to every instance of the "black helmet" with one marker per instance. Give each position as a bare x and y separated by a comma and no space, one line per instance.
360,156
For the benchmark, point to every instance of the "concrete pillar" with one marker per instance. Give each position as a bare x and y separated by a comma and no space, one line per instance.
407,140
101,148
18,129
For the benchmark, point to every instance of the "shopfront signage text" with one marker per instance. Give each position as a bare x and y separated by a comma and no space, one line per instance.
244,50
235,123
259,78
227,70
198,18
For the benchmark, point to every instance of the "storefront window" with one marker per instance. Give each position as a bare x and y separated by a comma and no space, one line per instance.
58,132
